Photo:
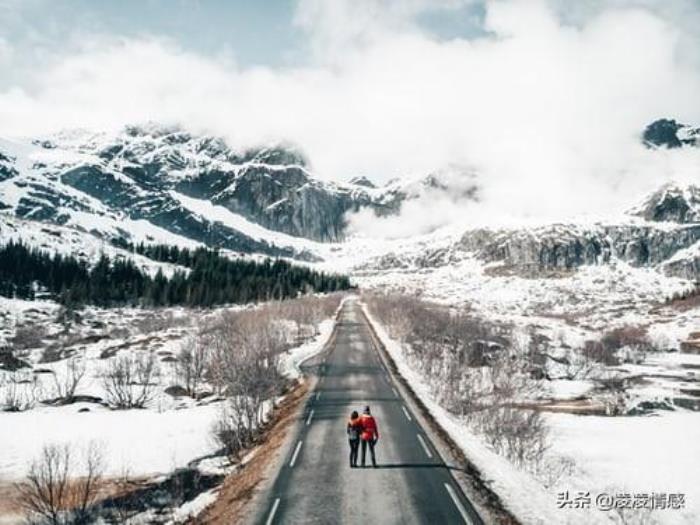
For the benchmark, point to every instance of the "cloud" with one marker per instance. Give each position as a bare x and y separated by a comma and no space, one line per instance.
547,110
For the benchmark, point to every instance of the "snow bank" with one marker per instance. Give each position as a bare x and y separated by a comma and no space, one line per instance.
521,494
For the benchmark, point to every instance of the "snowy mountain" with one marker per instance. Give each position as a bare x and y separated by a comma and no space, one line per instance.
671,203
166,185
671,134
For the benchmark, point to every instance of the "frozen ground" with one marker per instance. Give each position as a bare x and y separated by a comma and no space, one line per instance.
614,455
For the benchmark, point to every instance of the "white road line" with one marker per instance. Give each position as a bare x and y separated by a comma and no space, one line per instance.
273,510
308,419
408,416
425,446
458,504
318,395
395,392
296,453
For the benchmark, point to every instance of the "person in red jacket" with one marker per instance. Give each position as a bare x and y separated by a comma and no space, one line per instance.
369,435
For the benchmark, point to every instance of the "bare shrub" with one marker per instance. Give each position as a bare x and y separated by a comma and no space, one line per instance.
49,490
87,487
476,369
613,386
519,435
553,469
192,363
29,336
247,346
66,382
577,365
598,352
20,391
632,339
130,380
46,491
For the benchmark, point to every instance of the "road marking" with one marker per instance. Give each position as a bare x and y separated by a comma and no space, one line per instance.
296,453
458,504
425,446
308,420
395,392
318,395
273,510
408,416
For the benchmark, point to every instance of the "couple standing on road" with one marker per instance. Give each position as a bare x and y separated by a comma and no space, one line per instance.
362,429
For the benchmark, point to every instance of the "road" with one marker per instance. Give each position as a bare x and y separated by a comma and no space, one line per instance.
315,484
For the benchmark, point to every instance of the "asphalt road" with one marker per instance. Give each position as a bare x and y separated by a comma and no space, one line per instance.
315,484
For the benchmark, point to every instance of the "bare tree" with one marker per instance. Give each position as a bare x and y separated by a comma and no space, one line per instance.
50,493
45,491
66,383
129,381
20,391
87,487
192,363
476,369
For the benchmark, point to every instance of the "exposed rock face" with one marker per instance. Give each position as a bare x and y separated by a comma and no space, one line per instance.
571,246
139,172
135,174
671,134
671,203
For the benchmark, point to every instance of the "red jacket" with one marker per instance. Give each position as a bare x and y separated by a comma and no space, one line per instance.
369,428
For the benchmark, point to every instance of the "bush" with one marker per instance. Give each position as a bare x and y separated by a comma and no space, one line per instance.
50,493
192,363
476,369
129,380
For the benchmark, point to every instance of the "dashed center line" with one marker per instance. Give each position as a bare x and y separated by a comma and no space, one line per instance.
296,453
318,396
308,419
273,510
406,413
458,504
425,446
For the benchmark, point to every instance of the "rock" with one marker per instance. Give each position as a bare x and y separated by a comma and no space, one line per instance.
671,134
176,391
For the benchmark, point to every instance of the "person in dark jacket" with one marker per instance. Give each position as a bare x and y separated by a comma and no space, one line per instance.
369,435
354,430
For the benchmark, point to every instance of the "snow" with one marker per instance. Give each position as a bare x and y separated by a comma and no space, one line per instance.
233,220
140,442
192,508
68,241
664,457
290,363
168,434
634,455
521,494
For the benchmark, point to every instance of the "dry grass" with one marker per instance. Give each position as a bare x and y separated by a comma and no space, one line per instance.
238,489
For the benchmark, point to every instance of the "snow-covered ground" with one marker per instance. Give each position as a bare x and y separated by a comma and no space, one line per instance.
169,433
611,455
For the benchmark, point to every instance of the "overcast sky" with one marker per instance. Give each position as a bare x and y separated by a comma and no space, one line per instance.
535,95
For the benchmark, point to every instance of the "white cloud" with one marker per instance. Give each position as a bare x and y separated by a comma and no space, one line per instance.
549,113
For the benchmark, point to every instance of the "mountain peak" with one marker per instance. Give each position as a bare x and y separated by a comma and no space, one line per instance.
671,134
362,181
671,203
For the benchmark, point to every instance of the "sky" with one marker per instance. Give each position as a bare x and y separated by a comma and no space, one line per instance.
544,99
